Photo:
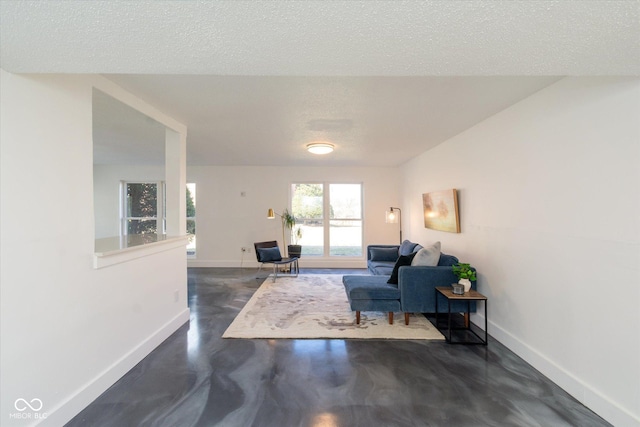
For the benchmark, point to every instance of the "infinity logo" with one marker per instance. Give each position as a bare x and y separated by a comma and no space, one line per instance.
22,405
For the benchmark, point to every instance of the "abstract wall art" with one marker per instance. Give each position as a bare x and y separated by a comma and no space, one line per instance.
441,210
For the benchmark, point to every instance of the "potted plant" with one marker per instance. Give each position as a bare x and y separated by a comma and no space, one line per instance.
465,274
294,248
289,221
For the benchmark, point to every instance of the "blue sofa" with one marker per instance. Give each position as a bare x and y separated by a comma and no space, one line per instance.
382,258
415,291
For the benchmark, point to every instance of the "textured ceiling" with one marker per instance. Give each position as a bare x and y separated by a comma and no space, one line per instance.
255,81
322,38
374,121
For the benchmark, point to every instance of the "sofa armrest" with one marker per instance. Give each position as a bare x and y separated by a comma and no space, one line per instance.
417,286
397,247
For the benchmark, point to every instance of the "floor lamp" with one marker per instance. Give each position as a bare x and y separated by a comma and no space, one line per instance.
392,218
271,214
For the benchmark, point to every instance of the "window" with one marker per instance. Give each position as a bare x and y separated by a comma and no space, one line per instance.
141,205
345,232
330,221
142,210
307,205
191,219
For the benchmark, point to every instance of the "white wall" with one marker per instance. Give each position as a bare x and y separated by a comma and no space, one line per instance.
549,195
227,221
68,331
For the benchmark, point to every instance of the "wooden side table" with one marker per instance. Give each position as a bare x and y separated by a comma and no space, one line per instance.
472,295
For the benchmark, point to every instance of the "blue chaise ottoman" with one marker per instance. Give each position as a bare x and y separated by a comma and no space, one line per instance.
372,293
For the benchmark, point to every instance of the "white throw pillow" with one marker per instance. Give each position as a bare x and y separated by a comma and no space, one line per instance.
428,256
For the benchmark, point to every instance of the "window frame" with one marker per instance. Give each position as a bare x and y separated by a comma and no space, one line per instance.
360,220
160,218
193,218
326,216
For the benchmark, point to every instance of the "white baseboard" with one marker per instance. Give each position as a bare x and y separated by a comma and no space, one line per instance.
585,394
68,409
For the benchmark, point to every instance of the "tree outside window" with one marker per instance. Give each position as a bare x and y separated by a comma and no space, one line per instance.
141,207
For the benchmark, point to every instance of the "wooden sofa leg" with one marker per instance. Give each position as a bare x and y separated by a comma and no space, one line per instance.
357,317
466,320
391,317
406,318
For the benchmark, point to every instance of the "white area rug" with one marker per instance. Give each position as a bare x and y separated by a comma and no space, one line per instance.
316,306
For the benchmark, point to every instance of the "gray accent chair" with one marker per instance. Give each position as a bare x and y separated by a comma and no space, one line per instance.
269,253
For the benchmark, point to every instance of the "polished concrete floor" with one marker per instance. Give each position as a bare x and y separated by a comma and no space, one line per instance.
195,378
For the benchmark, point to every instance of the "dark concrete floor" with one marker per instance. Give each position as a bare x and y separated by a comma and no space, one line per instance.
195,378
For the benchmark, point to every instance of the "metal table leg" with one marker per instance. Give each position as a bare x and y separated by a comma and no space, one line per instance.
449,322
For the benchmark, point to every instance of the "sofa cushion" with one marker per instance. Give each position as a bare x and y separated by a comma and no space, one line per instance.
447,260
406,247
269,254
369,288
428,256
383,268
403,260
384,254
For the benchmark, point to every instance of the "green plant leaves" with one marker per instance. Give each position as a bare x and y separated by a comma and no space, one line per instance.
464,271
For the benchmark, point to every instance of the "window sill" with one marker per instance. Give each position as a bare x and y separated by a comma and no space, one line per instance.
115,250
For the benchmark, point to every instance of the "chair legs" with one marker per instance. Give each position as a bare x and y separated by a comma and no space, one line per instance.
406,318
391,317
357,317
293,266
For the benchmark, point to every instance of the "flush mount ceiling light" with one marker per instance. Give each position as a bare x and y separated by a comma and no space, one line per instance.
320,148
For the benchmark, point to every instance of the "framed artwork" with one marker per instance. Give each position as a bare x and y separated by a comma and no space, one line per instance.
441,210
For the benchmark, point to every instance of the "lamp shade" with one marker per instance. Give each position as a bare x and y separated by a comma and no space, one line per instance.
271,214
391,217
